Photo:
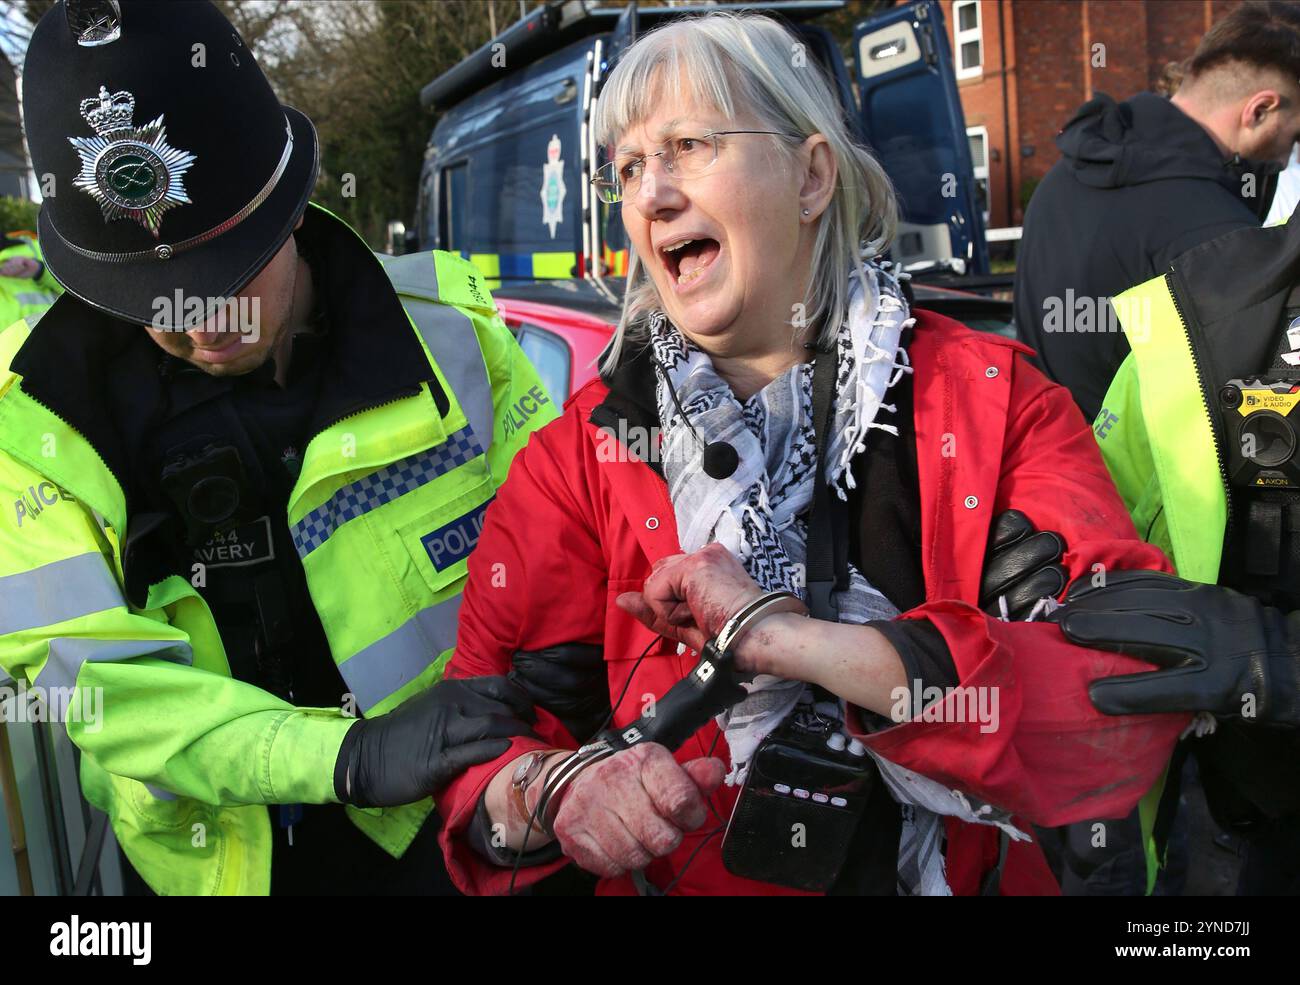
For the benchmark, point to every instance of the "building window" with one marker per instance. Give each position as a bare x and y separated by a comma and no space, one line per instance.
968,39
979,159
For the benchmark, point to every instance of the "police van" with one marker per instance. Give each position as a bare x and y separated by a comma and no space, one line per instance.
506,174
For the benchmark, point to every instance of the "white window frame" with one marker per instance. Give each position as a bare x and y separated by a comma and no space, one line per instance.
981,172
960,37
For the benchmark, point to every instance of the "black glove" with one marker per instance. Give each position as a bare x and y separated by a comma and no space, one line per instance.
1217,647
570,681
1021,564
424,743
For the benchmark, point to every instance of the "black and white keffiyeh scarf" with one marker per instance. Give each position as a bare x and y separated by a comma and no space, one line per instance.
758,513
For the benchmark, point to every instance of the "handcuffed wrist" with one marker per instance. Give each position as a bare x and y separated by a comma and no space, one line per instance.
734,629
560,777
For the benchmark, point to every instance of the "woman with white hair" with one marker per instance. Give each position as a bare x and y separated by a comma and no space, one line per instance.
675,491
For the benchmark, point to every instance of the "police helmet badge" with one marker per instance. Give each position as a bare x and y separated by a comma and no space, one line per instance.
132,172
94,22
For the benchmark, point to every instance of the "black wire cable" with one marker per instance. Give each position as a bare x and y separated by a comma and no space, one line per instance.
532,819
708,801
722,826
677,878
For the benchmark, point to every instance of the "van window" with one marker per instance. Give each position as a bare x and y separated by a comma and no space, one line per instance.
426,215
454,203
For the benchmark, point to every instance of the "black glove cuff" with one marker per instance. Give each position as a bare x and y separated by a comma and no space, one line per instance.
1281,686
342,765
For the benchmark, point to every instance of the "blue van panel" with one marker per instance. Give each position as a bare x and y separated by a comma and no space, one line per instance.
502,133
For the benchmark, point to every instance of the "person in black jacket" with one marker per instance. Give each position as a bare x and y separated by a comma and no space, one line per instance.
1226,639
1144,180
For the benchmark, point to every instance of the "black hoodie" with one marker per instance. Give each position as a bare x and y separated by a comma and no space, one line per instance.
1139,182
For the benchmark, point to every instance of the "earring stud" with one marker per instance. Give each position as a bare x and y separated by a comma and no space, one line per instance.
806,212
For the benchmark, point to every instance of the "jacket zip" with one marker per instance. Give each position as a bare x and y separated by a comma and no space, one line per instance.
1172,281
363,409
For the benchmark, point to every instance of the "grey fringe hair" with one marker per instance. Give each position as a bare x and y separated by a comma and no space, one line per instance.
750,61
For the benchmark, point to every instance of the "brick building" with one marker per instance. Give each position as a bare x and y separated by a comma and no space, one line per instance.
1025,66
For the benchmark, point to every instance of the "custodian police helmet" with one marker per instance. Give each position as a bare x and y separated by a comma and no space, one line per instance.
166,160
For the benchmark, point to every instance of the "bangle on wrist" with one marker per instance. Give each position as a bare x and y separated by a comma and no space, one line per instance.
526,770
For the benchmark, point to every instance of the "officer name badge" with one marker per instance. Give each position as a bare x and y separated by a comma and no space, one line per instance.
132,172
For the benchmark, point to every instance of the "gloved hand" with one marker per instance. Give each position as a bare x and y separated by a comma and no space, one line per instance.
570,681
1023,564
425,742
1217,647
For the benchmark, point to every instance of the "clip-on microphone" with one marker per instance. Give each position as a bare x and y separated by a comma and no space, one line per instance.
720,458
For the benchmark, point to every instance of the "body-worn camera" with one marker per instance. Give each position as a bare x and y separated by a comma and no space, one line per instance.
209,489
1262,418
804,795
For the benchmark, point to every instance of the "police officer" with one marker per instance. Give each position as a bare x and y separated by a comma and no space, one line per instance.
26,287
1201,431
242,465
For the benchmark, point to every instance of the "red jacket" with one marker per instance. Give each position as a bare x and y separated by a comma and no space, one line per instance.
571,529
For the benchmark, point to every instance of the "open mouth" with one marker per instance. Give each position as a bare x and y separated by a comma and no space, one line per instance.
686,260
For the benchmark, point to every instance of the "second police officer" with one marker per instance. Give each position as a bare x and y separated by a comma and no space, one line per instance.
238,523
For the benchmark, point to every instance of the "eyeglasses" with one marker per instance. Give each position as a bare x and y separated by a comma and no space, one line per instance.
683,157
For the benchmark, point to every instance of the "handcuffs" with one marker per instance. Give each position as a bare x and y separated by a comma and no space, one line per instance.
710,688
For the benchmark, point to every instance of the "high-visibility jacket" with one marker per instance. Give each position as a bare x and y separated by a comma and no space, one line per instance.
1213,316
384,514
23,297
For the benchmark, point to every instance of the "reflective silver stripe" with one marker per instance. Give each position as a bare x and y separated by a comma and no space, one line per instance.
34,297
374,490
69,654
56,592
391,663
449,334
